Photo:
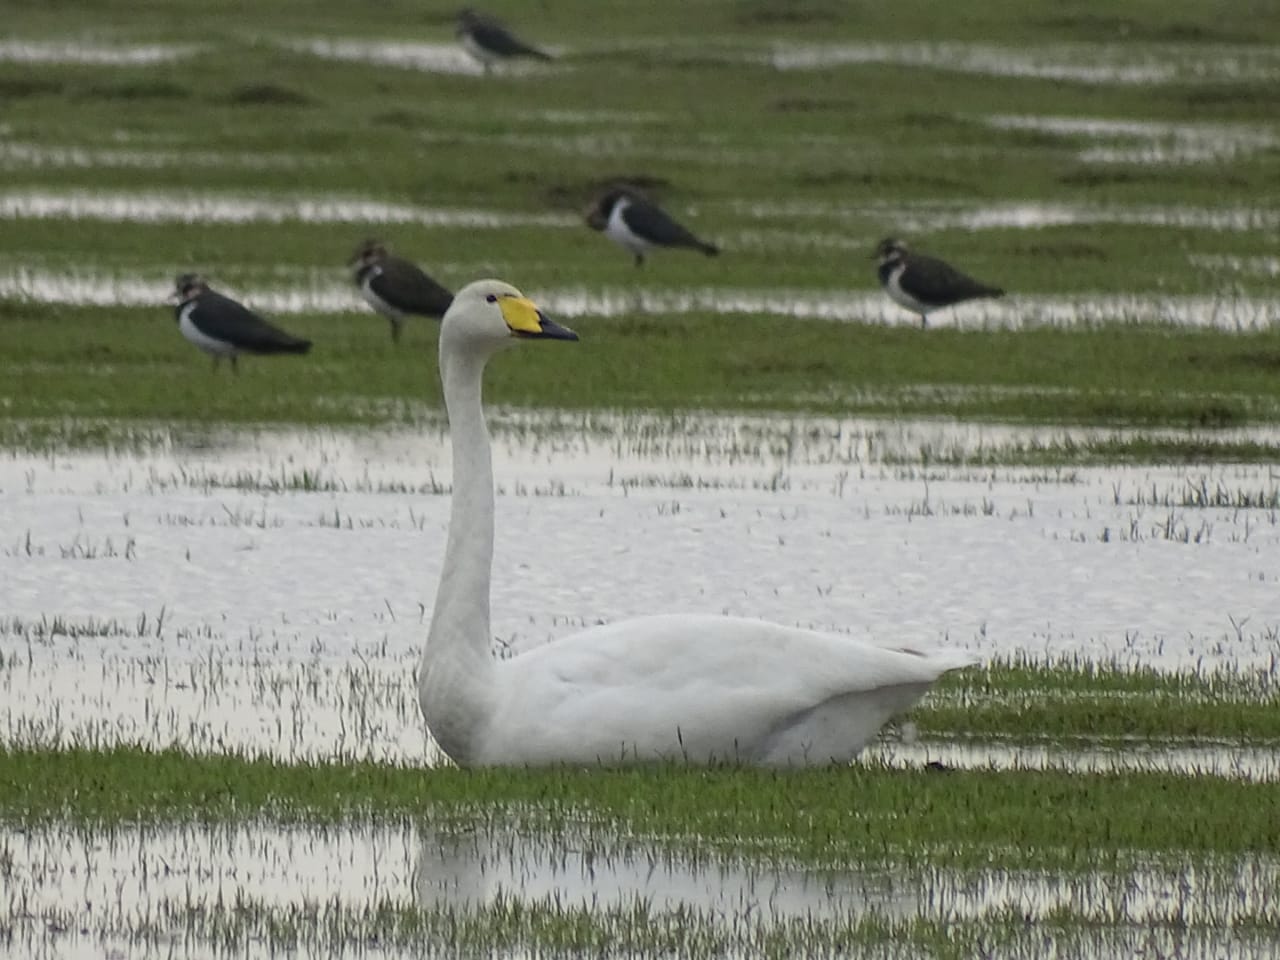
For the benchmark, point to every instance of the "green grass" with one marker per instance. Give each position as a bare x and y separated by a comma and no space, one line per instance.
129,367
823,817
641,928
830,154
1090,704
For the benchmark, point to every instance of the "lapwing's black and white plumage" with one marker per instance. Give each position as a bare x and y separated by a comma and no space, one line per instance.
638,226
396,288
923,284
490,42
223,328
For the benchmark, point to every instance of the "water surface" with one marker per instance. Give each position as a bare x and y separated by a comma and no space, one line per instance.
1147,141
317,291
93,54
200,207
269,592
18,155
447,57
1025,215
343,890
1112,64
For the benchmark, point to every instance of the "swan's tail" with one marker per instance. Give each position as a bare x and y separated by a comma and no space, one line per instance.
944,659
951,659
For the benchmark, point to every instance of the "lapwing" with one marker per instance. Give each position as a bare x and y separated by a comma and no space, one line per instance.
490,42
922,284
396,288
638,226
223,328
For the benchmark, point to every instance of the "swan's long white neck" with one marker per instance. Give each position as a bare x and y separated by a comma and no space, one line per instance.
455,685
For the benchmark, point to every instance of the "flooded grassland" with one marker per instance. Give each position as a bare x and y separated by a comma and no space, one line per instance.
264,596
214,589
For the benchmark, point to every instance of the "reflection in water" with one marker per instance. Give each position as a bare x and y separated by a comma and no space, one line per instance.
338,890
477,870
461,870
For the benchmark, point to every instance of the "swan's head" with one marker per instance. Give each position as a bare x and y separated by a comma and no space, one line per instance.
488,314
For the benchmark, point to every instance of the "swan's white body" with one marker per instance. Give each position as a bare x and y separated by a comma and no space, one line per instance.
698,689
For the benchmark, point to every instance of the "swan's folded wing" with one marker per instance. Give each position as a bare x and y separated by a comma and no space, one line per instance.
707,686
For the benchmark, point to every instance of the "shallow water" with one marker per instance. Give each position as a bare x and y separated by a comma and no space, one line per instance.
1146,141
1259,764
1236,313
313,292
427,57
94,54
202,206
72,892
141,891
1250,266
1026,215
269,592
1078,63
197,207
16,155
430,57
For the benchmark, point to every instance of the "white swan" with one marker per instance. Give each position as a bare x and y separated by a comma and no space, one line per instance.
699,689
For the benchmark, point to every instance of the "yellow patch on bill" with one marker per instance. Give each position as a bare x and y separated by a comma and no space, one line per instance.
521,315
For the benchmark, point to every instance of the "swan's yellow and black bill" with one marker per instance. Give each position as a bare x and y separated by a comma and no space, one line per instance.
526,320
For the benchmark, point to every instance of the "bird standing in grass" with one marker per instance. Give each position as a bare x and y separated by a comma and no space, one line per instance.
638,226
396,288
922,284
221,327
490,42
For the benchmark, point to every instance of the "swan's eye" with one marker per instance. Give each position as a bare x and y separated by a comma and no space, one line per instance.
491,298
